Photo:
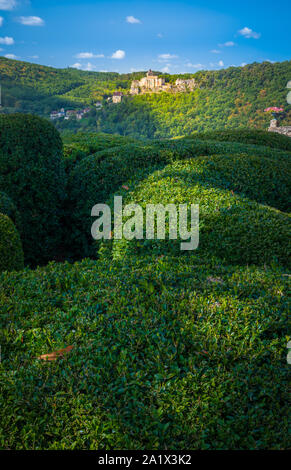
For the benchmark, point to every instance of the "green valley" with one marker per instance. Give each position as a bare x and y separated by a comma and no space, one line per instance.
230,98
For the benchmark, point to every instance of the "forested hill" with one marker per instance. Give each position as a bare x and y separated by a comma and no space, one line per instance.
233,97
37,88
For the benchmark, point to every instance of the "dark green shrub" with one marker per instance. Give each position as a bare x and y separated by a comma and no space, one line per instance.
32,175
232,227
81,145
188,148
72,155
248,136
169,353
11,254
262,179
91,143
8,208
94,179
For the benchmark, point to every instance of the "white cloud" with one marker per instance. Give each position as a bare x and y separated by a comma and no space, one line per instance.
132,20
31,21
221,63
11,56
167,56
227,44
118,54
166,69
34,57
89,67
7,41
249,33
243,64
215,51
194,66
1,20
7,5
159,35
88,55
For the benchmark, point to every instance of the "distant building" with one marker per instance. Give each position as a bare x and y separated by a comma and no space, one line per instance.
79,115
70,113
151,83
117,97
54,115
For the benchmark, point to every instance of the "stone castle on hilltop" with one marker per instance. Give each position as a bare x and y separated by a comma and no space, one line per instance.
151,83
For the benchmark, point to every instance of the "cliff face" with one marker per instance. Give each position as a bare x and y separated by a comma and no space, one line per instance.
180,86
284,130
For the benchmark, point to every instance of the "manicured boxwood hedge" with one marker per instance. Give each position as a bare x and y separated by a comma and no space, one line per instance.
248,136
170,350
81,145
8,208
99,175
169,353
232,227
11,253
187,148
94,179
32,175
264,180
95,142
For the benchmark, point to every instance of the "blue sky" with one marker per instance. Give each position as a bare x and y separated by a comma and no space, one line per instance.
175,36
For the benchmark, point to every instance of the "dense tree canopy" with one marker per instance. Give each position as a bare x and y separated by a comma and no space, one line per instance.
228,98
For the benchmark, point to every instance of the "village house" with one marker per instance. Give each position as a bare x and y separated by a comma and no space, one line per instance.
70,113
54,115
79,114
117,97
57,114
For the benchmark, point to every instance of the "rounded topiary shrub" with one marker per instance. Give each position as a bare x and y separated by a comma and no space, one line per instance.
262,179
8,208
32,175
248,136
11,253
232,227
189,147
94,179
